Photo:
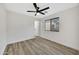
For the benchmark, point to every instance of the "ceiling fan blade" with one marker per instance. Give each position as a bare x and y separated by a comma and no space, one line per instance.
35,5
41,13
35,14
44,9
31,11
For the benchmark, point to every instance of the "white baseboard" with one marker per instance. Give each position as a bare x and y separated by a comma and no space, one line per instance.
22,39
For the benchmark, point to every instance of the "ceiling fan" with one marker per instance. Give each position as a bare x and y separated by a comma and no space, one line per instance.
38,9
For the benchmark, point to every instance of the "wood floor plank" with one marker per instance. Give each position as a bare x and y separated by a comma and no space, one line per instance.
51,49
39,50
38,46
29,46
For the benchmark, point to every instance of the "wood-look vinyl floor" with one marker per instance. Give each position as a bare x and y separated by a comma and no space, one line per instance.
38,46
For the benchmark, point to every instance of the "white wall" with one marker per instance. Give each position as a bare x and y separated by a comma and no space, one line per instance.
3,32
20,27
69,24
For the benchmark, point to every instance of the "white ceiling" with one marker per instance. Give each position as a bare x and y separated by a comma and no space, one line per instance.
23,7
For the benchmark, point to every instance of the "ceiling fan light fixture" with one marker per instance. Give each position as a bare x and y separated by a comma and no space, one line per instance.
37,13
